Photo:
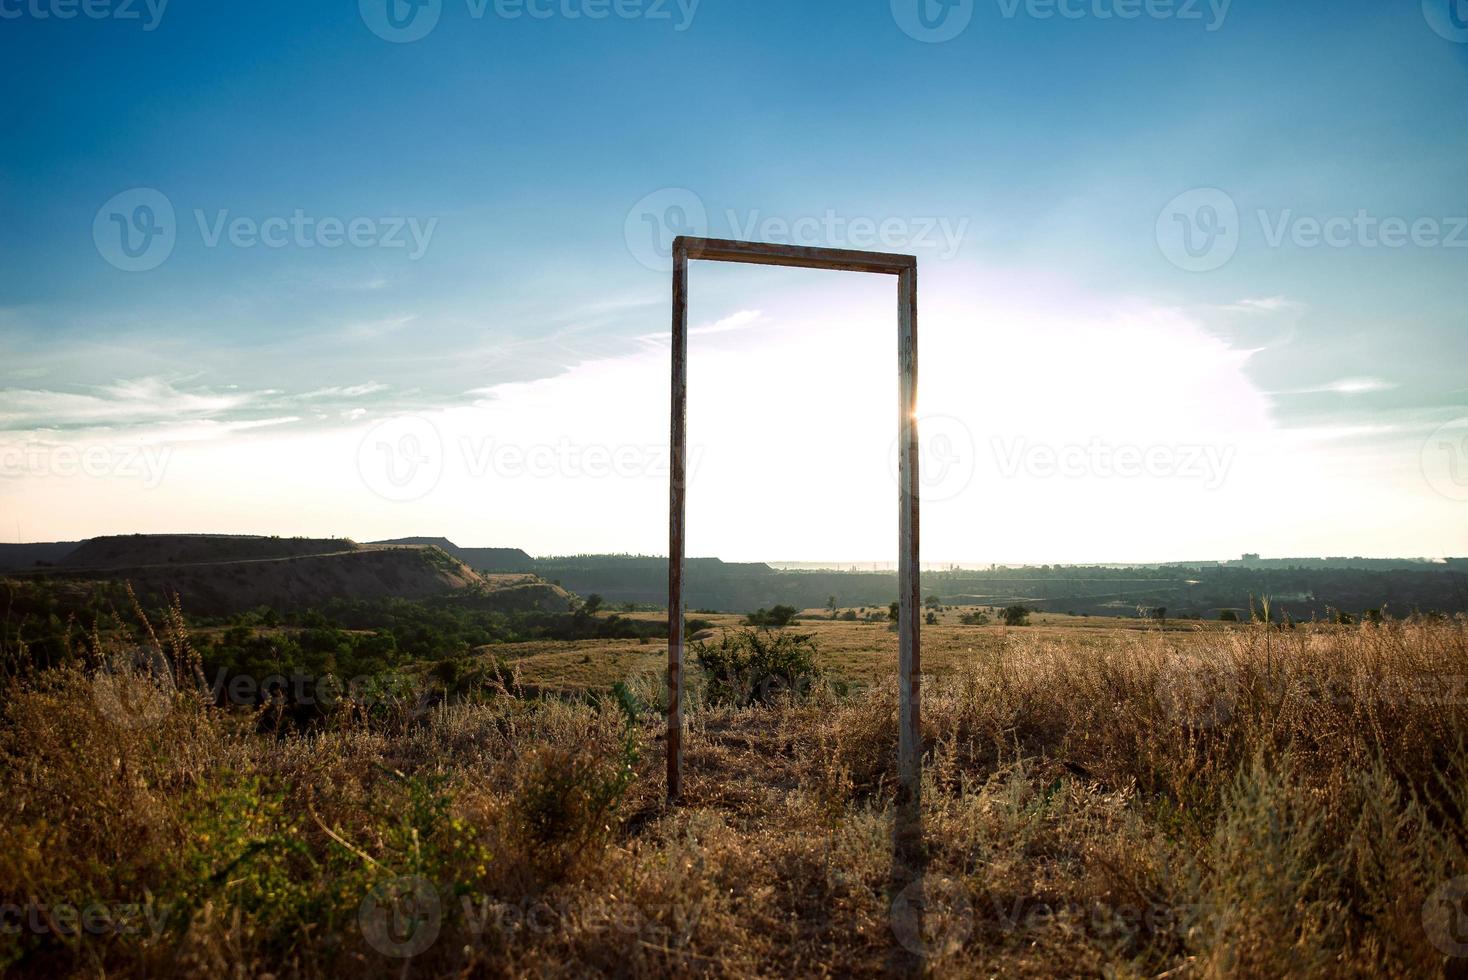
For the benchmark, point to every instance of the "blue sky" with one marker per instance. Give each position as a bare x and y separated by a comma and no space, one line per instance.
1032,162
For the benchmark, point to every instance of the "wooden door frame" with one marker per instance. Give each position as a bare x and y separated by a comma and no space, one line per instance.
909,663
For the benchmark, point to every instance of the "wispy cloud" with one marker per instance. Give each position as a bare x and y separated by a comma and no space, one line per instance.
734,321
1343,386
139,400
151,404
1263,305
369,329
348,391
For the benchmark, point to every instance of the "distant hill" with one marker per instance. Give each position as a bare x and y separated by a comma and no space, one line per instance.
481,559
134,550
14,557
220,575
1309,590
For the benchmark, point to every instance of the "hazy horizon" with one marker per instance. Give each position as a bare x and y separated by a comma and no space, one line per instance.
816,564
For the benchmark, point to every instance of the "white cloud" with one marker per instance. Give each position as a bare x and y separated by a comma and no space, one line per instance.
1344,386
1267,304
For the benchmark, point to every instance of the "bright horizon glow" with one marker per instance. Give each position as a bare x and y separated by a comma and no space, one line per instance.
792,442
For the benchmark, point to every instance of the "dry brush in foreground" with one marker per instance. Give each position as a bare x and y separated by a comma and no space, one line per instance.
1259,802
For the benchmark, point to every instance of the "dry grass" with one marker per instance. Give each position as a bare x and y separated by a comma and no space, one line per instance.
1124,803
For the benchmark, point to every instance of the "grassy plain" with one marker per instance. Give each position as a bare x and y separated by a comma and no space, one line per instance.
863,653
1099,800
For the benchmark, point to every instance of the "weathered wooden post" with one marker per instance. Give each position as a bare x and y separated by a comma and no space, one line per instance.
676,511
909,572
904,267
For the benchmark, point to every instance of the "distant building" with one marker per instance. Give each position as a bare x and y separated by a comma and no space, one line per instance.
1251,557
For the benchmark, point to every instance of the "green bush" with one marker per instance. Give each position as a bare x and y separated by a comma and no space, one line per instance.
567,796
777,617
1016,616
755,666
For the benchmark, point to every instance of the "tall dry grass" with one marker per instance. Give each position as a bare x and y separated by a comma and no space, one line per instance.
1261,802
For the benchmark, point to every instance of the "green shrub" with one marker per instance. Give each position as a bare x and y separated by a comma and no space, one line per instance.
1016,615
755,666
777,617
567,796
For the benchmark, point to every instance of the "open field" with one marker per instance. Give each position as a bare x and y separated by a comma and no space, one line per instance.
862,653
1118,802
